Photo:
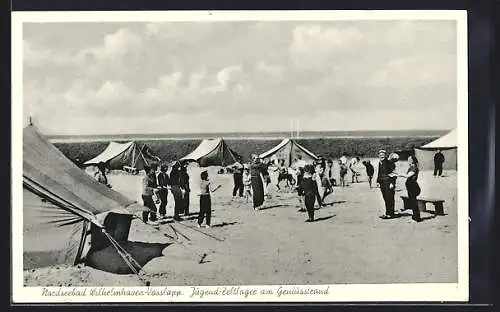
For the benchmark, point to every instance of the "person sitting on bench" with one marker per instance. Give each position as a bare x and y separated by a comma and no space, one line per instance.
412,186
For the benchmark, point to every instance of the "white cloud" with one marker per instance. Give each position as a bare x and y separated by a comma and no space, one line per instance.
273,73
225,79
116,45
313,46
416,71
179,32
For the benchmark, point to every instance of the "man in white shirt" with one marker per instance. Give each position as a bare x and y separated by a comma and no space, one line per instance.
352,166
343,159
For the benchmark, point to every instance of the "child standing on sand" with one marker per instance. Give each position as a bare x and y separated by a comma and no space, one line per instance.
343,172
247,183
369,171
205,200
309,188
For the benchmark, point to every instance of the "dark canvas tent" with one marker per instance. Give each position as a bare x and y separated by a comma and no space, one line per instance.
130,154
448,146
213,152
64,208
288,149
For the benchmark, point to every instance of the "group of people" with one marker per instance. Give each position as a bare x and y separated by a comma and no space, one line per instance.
252,180
317,178
156,184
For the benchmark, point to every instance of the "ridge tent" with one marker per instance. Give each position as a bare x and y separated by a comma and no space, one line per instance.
213,152
288,149
448,146
118,156
64,209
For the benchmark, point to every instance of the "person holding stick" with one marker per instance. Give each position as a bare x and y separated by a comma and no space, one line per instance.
205,200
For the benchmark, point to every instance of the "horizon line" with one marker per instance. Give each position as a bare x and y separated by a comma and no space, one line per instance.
240,132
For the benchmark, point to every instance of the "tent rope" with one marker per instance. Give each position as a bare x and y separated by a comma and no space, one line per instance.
134,266
194,229
202,256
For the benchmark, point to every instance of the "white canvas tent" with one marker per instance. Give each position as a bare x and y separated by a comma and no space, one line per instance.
288,149
448,146
117,155
213,152
61,203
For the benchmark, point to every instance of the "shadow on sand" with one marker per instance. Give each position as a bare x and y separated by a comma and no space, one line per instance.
109,260
335,202
324,218
271,207
223,224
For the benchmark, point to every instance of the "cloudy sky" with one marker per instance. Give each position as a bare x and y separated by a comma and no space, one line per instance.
106,78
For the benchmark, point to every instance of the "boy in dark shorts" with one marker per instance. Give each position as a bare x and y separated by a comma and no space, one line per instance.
205,200
309,188
343,172
369,171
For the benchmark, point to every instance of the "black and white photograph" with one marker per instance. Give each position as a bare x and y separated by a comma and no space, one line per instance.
240,156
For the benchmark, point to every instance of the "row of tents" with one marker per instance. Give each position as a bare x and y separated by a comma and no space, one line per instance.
67,214
210,152
216,152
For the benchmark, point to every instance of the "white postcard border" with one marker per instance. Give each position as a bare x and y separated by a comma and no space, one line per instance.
343,293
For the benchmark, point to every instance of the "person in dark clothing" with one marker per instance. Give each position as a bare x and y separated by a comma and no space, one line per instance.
100,175
175,188
329,174
282,173
148,189
412,187
163,184
238,181
369,171
309,188
387,180
342,173
184,184
438,163
256,170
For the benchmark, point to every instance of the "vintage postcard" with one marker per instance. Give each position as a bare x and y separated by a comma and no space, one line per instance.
291,156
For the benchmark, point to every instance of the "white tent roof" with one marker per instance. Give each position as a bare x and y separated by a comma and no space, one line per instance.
205,147
447,141
284,143
114,149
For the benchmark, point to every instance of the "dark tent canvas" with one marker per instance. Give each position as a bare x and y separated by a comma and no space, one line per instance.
213,152
131,154
64,208
288,149
448,146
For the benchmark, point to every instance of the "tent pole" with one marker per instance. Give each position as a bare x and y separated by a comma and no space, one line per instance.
133,157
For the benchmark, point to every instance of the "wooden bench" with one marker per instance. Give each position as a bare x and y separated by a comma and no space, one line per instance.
422,204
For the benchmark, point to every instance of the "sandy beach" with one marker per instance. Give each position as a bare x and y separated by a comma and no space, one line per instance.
348,243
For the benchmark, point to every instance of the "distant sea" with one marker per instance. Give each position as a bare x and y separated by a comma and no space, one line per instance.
247,135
